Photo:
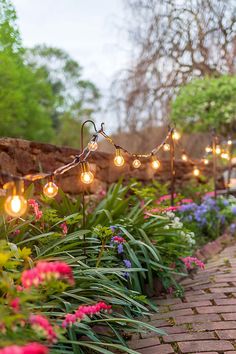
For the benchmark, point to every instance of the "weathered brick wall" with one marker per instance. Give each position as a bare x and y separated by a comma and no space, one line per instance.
21,157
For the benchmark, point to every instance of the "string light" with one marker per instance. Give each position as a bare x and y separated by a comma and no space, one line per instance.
225,155
136,163
166,147
208,149
92,145
155,163
184,157
196,171
229,142
218,150
176,135
119,159
205,161
15,204
50,189
87,176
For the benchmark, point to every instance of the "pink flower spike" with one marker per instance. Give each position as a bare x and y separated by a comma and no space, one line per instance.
64,228
42,322
15,304
191,261
31,348
38,213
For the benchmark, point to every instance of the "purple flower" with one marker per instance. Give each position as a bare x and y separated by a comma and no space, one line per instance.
232,228
127,263
120,248
233,210
112,228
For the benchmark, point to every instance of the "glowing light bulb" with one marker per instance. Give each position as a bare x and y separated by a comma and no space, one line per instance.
176,135
205,161
196,172
50,189
155,163
225,155
208,149
218,150
166,147
15,205
119,159
87,176
92,145
229,142
136,163
184,157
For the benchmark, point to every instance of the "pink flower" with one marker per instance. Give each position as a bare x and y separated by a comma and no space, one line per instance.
186,201
209,194
31,348
83,311
16,232
42,322
118,239
191,261
15,304
64,228
45,271
38,213
165,198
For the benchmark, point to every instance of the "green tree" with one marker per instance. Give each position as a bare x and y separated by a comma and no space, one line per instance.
26,97
76,99
207,103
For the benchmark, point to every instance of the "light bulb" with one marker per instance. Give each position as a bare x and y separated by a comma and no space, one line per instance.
225,155
155,163
92,145
196,172
119,159
218,150
50,189
229,142
176,135
87,177
15,205
184,157
208,149
166,147
136,163
205,161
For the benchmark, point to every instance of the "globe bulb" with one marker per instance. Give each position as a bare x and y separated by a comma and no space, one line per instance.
176,135
87,177
196,172
229,142
155,164
119,159
184,157
92,145
225,155
136,163
166,147
50,189
15,205
218,150
208,149
205,161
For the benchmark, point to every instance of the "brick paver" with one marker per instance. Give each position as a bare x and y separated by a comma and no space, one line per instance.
204,321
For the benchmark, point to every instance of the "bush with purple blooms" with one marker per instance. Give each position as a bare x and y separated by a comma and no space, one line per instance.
209,218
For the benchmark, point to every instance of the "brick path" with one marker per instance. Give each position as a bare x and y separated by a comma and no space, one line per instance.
205,320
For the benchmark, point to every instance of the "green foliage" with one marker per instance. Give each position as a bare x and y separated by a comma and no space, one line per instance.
207,103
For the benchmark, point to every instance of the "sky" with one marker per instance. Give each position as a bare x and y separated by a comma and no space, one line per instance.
91,31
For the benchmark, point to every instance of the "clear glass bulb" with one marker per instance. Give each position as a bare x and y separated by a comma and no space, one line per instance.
166,147
176,135
208,149
206,161
119,160
218,150
50,189
155,164
229,142
87,177
92,145
184,157
136,163
196,172
15,205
